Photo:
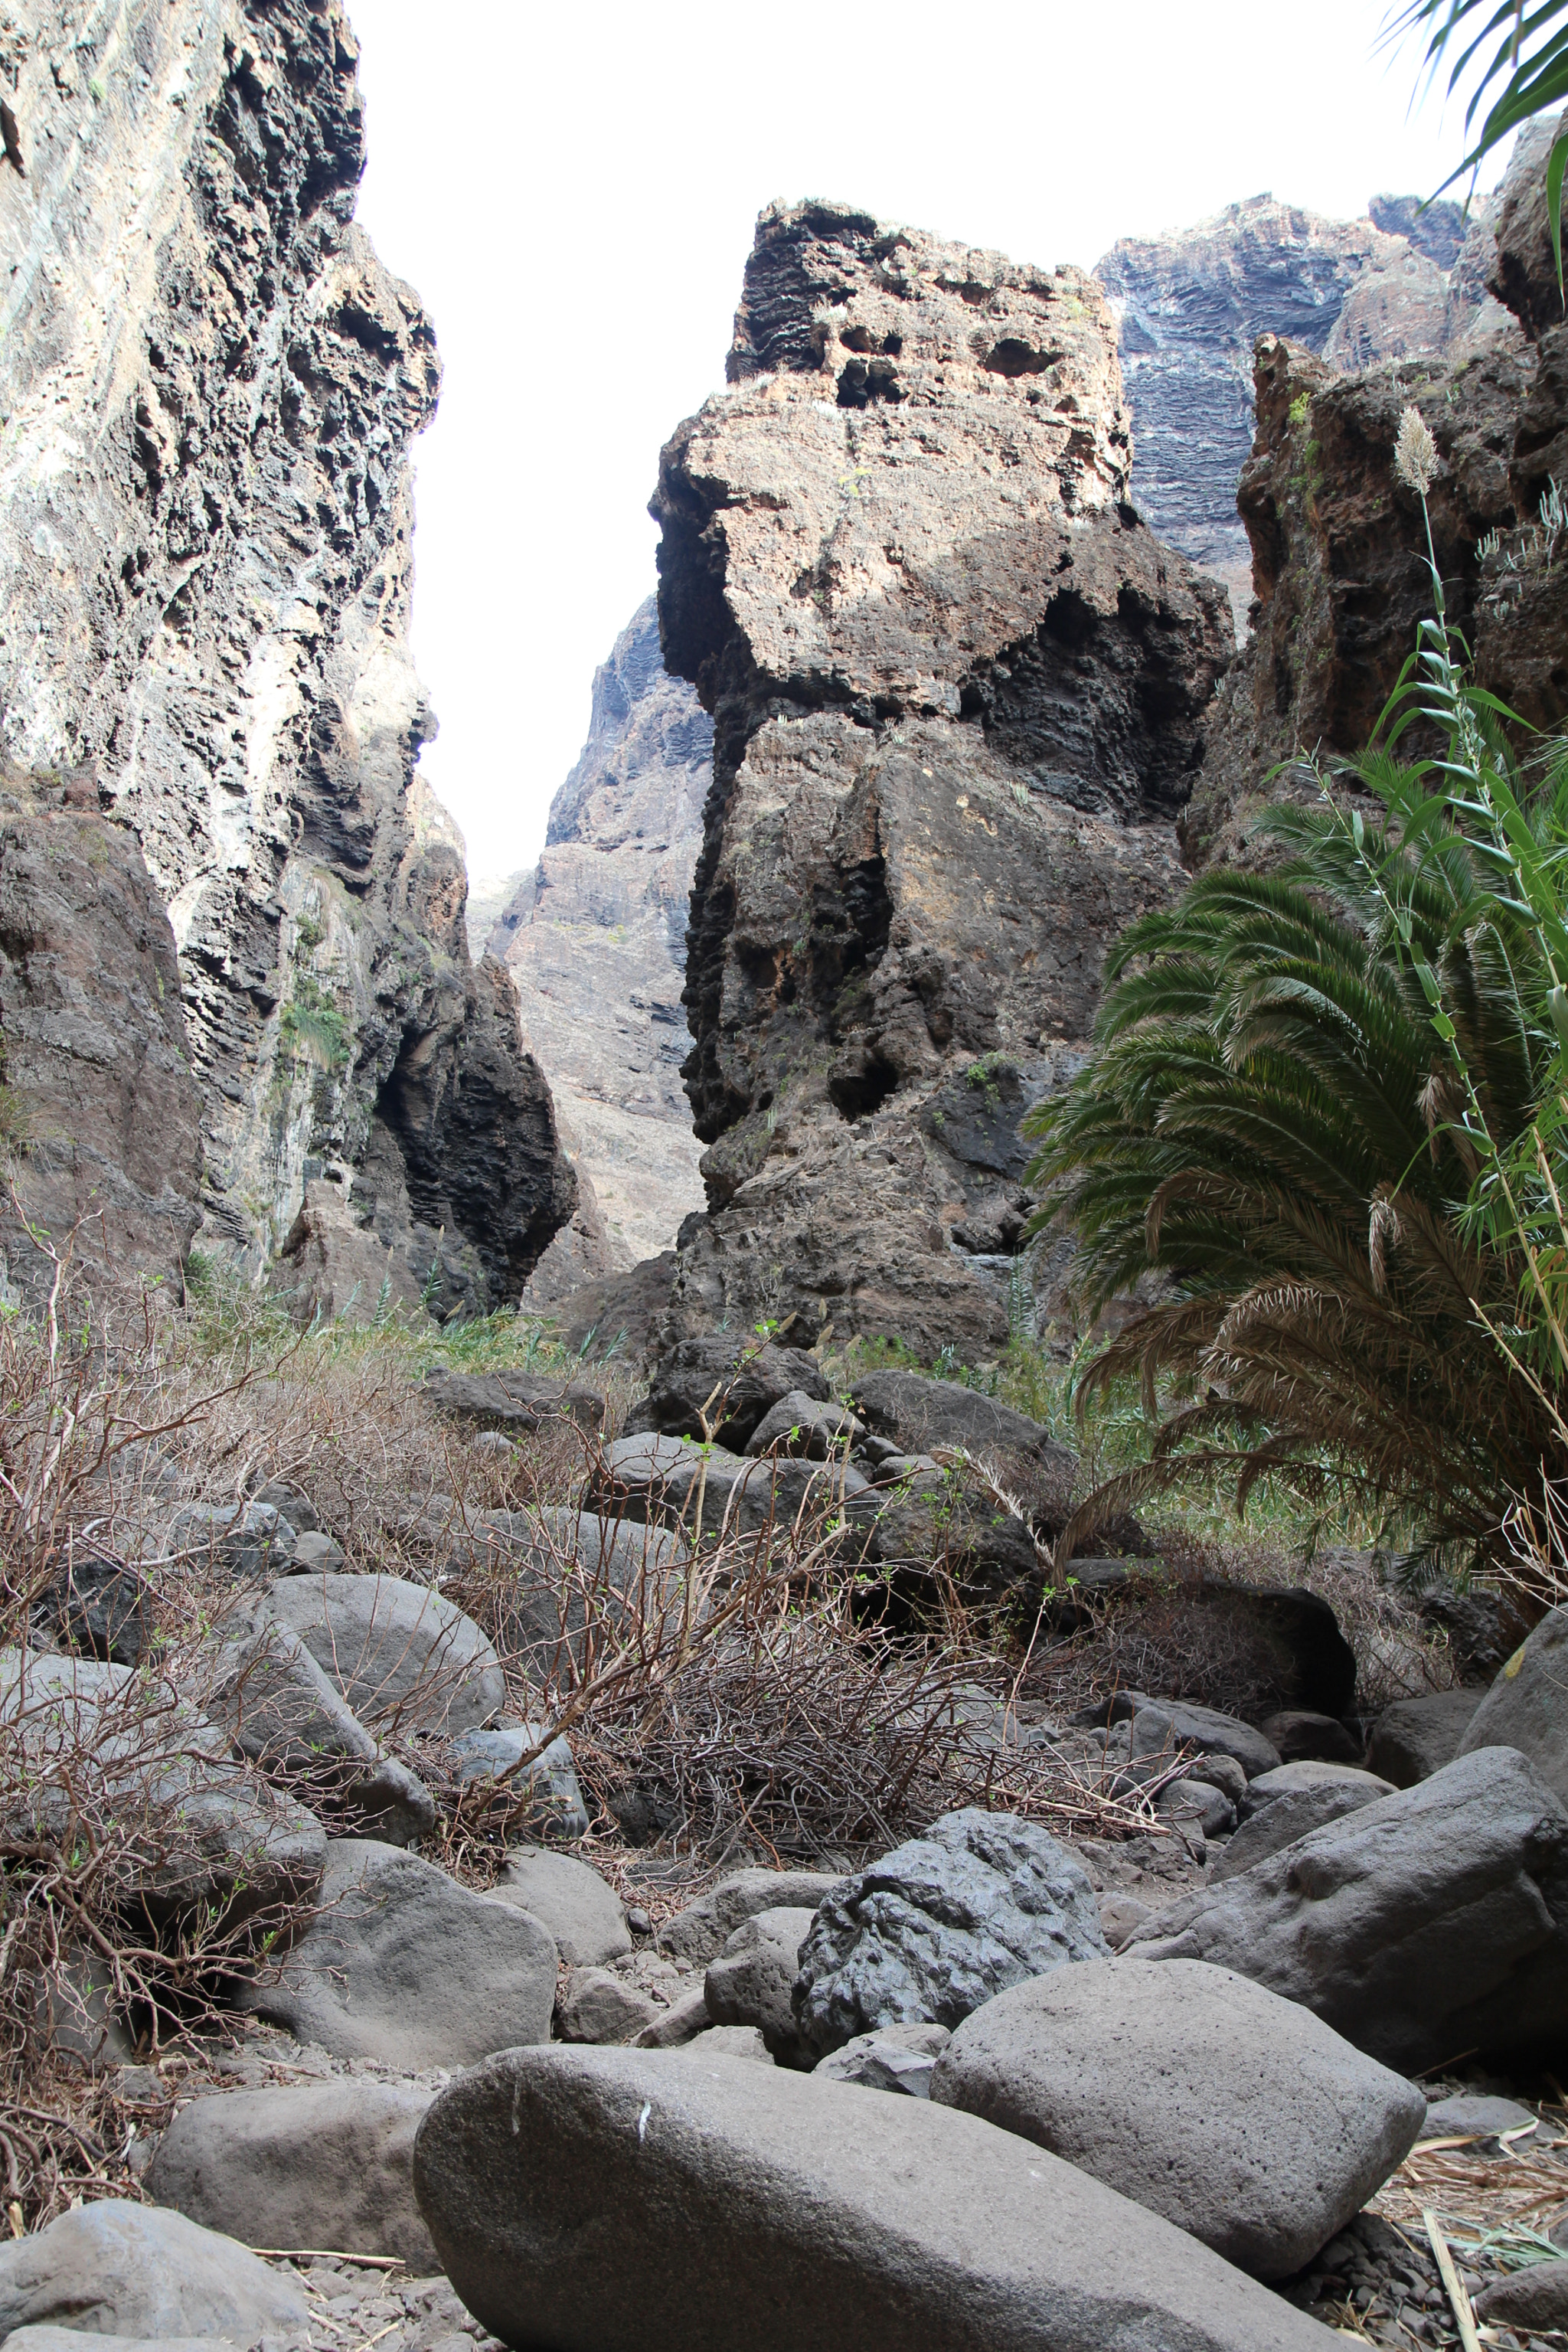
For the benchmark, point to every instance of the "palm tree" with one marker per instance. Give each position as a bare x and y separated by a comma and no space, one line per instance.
1305,1081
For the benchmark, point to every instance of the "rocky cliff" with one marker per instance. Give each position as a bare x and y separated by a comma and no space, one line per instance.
1338,546
595,939
958,692
209,384
1404,282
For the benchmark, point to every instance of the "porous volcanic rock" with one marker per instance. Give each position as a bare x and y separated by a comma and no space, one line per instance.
595,937
1339,552
211,383
689,2204
94,1062
958,692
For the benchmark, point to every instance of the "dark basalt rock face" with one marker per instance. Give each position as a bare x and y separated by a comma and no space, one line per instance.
101,1113
1190,307
211,384
958,689
1339,547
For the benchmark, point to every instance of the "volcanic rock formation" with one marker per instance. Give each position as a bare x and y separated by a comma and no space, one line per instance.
958,693
596,939
210,384
1337,544
1190,308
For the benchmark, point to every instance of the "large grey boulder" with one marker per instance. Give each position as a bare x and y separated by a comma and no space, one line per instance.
69,2339
585,1916
749,1378
653,1477
919,1415
1169,1724
116,2269
1279,1824
1527,1706
261,1683
250,1541
799,1425
701,1932
900,2058
572,1577
546,1785
1416,1737
679,2202
112,1745
1427,1923
1239,2117
404,1966
941,1924
752,1979
403,1658
327,2164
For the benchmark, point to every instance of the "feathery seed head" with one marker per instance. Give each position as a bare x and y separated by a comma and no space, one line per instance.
1415,458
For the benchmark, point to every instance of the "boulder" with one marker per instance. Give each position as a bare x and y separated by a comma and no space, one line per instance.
732,2041
1179,1724
799,1425
585,1917
682,2022
315,2164
69,2339
1527,1707
1286,1819
402,1657
1299,1735
251,1541
1416,1737
596,2005
685,2203
751,1980
1472,2111
547,1784
1535,2299
1195,1803
403,1966
99,1606
912,1519
899,2058
1238,2116
701,1932
917,1414
658,1477
280,1707
107,1743
749,1378
1426,1923
115,2269
292,1503
1295,1779
941,1925
514,1400
316,1555
572,1579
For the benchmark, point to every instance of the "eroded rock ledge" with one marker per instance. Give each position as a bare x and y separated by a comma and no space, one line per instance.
210,384
958,692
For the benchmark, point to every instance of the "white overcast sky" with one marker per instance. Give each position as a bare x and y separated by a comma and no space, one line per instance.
573,188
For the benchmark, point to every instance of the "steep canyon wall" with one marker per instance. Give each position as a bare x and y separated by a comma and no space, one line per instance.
958,692
208,385
596,939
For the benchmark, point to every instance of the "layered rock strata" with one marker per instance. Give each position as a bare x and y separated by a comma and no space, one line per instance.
210,384
596,939
958,692
1337,542
1190,308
